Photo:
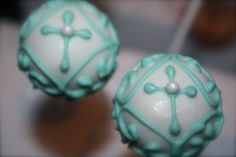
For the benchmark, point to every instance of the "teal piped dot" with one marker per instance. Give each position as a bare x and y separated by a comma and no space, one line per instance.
197,141
198,127
68,17
115,112
73,94
209,131
47,30
104,20
146,61
97,86
101,68
170,71
190,91
210,86
85,81
133,132
216,99
175,128
131,78
84,33
64,67
23,61
150,88
194,64
152,147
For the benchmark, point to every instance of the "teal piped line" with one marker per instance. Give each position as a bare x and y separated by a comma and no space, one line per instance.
41,67
122,127
141,119
196,81
90,22
84,63
155,67
37,82
35,23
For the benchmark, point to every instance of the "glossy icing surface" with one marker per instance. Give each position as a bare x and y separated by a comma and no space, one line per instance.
168,105
68,48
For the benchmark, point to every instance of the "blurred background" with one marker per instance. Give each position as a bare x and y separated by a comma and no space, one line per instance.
34,125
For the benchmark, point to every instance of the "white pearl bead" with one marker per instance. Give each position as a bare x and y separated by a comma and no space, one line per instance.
68,30
172,87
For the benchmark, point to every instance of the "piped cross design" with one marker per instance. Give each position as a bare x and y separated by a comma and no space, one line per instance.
67,32
173,90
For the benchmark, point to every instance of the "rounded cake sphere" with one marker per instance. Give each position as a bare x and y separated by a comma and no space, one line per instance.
68,48
168,105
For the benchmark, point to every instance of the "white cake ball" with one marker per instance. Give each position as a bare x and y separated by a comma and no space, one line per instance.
68,48
168,106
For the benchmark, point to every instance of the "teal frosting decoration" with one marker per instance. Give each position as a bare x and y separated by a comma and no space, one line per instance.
172,90
67,32
181,144
73,85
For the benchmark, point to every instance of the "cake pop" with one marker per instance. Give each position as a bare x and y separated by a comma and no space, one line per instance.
168,105
68,48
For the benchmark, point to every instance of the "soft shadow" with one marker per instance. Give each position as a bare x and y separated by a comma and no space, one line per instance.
72,128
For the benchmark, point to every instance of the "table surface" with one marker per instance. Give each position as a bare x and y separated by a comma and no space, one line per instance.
17,97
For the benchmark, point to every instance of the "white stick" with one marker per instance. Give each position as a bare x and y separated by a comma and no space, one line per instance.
185,27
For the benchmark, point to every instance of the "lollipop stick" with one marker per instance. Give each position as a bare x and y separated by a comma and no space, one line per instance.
185,26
